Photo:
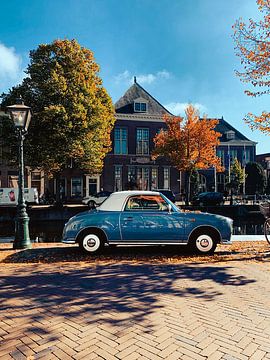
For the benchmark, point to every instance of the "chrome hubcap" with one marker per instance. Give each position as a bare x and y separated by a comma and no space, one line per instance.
91,242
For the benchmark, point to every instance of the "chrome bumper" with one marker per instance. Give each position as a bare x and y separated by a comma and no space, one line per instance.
68,241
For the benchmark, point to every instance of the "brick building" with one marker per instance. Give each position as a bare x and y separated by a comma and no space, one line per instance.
139,116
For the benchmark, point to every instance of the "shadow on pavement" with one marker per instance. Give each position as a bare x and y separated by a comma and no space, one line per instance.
115,294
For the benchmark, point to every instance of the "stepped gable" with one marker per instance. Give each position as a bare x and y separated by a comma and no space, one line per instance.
125,105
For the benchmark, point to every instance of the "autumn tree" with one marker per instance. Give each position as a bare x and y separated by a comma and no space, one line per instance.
252,44
237,177
189,143
73,114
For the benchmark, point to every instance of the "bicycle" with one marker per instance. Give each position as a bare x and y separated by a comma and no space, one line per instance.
265,210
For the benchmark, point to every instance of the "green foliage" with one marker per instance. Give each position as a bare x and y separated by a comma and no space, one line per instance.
237,175
73,114
256,179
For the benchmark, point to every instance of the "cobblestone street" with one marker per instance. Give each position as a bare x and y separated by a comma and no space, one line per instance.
130,310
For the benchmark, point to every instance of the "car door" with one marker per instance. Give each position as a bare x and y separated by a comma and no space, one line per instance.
147,219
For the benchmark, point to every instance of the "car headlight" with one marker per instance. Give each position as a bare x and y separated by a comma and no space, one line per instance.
74,225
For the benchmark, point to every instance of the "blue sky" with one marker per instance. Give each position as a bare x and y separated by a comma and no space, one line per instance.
180,50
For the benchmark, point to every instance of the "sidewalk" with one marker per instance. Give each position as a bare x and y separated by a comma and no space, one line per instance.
135,310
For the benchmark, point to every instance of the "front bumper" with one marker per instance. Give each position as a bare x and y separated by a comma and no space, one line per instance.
226,241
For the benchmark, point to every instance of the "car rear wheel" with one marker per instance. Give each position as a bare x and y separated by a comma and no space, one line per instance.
91,243
91,204
203,243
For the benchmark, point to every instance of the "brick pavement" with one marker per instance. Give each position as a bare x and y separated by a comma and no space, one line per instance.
135,311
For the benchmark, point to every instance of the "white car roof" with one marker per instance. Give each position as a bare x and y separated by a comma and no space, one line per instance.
116,200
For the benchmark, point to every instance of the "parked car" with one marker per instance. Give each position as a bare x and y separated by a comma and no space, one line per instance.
208,198
95,200
145,218
168,193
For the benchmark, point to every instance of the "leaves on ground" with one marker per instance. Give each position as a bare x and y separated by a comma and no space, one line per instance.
51,253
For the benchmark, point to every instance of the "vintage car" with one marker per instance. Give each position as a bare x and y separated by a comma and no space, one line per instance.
145,218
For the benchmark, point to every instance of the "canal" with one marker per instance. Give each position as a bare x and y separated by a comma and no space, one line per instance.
46,223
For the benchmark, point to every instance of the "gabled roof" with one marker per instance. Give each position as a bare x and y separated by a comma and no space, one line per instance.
125,105
224,127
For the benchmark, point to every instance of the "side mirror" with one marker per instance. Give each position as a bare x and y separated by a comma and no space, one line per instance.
169,208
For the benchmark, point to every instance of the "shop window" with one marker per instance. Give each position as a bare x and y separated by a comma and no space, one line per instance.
166,178
118,178
154,180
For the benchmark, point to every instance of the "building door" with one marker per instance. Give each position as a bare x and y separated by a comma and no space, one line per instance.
92,185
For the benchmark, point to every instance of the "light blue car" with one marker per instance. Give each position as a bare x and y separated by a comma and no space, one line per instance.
146,218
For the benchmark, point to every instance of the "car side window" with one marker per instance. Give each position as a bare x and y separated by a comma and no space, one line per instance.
146,203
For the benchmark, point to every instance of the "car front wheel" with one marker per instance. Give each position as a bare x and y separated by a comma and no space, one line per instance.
203,243
91,243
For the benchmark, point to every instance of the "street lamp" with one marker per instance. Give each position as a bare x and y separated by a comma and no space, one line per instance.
21,116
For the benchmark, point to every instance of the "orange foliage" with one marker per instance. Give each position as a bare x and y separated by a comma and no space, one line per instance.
190,142
252,45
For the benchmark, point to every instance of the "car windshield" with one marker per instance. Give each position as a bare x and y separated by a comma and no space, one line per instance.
174,207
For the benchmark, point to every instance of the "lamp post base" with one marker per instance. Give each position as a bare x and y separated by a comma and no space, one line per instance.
22,239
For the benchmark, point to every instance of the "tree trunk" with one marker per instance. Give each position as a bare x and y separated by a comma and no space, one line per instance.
187,187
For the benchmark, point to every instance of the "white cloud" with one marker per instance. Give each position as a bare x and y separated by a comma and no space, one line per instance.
124,76
177,108
164,74
11,71
146,78
141,78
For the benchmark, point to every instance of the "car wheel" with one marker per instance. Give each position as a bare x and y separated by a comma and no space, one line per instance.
203,243
91,204
91,243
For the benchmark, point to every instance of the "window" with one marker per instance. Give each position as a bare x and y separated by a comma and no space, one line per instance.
233,154
76,187
140,107
154,183
146,203
230,135
202,183
143,178
246,157
166,178
221,155
120,141
36,181
118,178
142,147
13,181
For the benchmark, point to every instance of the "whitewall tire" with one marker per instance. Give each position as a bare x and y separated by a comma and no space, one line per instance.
91,243
203,243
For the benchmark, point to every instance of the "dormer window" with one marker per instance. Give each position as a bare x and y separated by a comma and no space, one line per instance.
230,135
140,105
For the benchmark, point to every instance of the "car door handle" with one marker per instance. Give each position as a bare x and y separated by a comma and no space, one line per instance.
129,218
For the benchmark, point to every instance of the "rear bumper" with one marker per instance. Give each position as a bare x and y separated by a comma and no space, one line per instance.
68,241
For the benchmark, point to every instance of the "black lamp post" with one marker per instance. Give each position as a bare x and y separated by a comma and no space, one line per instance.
21,116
